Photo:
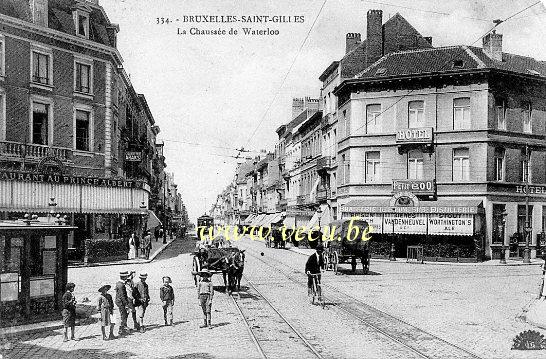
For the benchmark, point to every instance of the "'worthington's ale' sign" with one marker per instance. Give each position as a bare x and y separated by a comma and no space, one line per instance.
422,134
51,178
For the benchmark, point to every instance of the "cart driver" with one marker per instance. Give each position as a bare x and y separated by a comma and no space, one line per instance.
313,266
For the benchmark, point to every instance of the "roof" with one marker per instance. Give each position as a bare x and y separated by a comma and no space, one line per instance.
328,71
60,17
447,59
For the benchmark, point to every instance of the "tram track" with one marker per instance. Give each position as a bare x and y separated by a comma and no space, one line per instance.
273,331
417,341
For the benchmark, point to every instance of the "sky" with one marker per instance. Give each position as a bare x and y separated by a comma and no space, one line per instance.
213,94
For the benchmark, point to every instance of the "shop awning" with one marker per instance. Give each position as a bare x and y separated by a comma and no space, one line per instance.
290,221
469,206
249,219
271,219
255,222
324,218
153,221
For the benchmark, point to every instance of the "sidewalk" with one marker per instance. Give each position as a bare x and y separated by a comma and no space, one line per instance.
83,311
157,248
493,262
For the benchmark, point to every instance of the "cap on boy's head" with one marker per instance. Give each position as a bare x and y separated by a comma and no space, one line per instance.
167,279
143,275
104,286
123,274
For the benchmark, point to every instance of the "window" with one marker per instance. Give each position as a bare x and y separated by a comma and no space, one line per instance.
522,216
342,167
2,116
83,78
83,25
415,165
500,106
416,114
82,130
526,167
40,123
527,117
461,113
499,164
2,56
373,118
373,167
461,165
41,68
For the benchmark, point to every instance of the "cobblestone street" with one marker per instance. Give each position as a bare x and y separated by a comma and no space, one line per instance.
399,311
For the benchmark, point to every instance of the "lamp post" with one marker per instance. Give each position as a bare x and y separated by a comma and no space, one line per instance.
164,209
144,214
501,234
319,211
527,251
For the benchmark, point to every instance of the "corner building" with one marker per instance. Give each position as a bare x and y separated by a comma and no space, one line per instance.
444,147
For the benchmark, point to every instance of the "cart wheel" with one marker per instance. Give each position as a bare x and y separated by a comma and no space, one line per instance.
196,267
335,262
353,264
326,261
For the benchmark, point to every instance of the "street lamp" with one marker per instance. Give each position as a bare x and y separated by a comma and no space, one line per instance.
319,212
501,227
144,214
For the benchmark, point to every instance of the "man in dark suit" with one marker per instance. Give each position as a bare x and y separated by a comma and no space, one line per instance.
314,263
122,302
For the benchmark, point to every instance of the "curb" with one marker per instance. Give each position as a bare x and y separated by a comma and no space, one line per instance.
102,264
489,263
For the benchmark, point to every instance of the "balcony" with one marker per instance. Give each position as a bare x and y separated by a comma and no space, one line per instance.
31,152
323,195
302,199
324,163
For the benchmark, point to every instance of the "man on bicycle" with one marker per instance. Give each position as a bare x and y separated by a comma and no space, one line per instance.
313,266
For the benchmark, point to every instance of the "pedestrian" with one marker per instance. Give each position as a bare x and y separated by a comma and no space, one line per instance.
69,311
205,292
142,298
130,287
313,267
156,233
147,244
122,303
132,246
106,308
166,294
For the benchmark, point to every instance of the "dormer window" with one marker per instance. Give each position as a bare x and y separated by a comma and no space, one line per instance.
81,19
83,25
458,64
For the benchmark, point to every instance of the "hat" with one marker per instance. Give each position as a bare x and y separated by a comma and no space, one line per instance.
124,274
108,286
167,279
320,248
143,275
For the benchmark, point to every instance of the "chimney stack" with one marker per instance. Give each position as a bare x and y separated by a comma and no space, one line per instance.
374,36
297,107
492,45
429,39
351,41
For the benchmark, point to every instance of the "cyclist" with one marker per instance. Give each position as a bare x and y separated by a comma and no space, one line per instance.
314,263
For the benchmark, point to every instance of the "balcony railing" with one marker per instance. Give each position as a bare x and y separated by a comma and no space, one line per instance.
324,163
32,151
323,194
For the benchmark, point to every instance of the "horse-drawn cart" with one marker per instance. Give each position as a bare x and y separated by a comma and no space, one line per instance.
228,260
343,250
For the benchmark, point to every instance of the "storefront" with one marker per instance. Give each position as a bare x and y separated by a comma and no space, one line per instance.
33,269
98,207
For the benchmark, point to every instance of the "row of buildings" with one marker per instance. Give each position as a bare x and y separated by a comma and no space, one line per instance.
439,146
76,138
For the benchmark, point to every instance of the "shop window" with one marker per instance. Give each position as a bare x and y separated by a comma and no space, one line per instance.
522,223
461,113
41,68
415,165
373,118
461,164
499,164
527,117
500,107
83,130
83,78
499,223
373,167
40,123
416,114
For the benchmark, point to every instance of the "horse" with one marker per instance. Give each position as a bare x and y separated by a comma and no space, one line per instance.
235,270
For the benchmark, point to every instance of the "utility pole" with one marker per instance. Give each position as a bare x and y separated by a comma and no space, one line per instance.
527,251
164,209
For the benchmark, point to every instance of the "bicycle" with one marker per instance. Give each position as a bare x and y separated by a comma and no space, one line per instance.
317,290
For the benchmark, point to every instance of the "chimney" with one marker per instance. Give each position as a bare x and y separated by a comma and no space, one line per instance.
351,41
112,31
492,45
39,11
374,35
297,107
429,39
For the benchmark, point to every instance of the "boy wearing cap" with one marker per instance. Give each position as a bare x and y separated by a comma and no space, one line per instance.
142,298
69,311
106,308
130,288
166,294
122,302
205,292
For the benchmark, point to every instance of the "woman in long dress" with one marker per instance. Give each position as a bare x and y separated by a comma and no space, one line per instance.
132,247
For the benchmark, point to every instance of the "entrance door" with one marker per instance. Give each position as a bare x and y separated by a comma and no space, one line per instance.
10,276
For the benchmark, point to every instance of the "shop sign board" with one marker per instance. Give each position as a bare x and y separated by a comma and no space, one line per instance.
374,219
43,286
405,223
420,187
533,189
133,156
418,209
298,212
61,179
451,224
413,135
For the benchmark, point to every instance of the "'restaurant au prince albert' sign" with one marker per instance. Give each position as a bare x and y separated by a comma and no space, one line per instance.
60,179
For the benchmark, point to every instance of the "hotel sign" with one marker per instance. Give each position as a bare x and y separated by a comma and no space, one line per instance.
133,156
419,187
76,180
413,135
532,189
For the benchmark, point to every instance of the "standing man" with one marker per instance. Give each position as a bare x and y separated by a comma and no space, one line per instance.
130,287
146,244
314,263
142,298
166,294
122,302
